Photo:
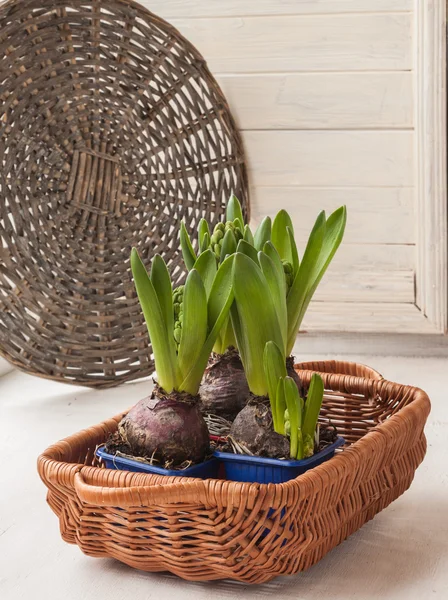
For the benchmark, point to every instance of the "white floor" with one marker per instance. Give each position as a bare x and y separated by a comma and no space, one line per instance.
401,554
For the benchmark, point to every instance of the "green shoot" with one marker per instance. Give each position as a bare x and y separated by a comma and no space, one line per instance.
205,310
203,231
289,392
291,283
275,369
263,233
323,242
186,246
222,240
247,235
291,415
234,212
228,245
312,409
283,242
255,320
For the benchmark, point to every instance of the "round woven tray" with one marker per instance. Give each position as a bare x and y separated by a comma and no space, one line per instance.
112,130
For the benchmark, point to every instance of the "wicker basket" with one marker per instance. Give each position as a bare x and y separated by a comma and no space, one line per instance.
112,130
213,529
340,368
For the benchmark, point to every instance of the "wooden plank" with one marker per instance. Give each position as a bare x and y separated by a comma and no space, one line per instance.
231,8
366,317
330,158
320,100
431,161
366,286
371,257
375,215
335,345
347,42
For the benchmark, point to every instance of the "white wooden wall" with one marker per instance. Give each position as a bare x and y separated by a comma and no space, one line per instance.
323,91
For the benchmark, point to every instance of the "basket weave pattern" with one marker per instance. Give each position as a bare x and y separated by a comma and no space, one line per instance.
213,529
339,367
112,130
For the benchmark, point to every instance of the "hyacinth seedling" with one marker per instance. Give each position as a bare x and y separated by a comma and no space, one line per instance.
301,278
220,243
264,309
291,414
181,352
183,329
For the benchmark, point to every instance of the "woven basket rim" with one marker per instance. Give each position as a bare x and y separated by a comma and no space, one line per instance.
341,367
136,489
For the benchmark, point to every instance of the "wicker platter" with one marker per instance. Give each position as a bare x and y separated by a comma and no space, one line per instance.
112,130
216,529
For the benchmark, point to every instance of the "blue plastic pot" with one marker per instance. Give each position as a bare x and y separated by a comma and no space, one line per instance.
206,470
256,469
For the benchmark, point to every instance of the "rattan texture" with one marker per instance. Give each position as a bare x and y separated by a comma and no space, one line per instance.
112,130
339,367
213,529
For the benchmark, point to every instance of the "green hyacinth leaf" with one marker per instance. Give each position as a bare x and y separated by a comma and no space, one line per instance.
274,366
219,303
188,252
207,269
227,335
276,285
313,405
270,251
323,247
228,245
221,290
294,252
247,236
203,230
194,325
162,344
297,293
246,248
257,321
280,401
234,212
279,235
205,243
160,279
291,395
300,445
263,233
334,233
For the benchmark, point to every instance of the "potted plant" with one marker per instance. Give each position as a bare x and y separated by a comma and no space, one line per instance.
261,530
169,436
260,322
224,388
244,296
272,291
287,428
